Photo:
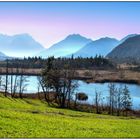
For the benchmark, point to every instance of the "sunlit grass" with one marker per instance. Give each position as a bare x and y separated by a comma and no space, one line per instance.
34,119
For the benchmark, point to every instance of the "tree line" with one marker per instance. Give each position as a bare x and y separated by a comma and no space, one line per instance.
98,62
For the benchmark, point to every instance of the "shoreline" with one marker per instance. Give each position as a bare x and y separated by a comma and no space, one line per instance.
137,82
90,76
40,96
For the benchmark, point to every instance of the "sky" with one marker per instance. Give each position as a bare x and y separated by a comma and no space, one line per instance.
50,22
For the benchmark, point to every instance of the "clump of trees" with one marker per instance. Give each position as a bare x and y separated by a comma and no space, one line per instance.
12,84
59,81
119,100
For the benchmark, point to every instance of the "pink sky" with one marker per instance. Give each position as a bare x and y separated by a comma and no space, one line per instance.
50,22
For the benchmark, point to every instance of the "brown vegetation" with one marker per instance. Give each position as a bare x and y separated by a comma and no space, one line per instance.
100,76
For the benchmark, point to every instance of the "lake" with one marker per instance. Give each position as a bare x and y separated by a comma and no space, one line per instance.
89,89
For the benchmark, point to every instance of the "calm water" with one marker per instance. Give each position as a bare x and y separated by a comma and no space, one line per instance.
103,88
90,88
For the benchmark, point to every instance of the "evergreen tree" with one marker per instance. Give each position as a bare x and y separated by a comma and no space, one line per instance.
126,100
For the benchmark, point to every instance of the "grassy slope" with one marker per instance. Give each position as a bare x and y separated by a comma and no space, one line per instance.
34,119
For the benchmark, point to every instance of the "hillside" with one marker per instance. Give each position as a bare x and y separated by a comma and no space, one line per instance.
98,47
69,45
126,37
130,48
30,118
19,45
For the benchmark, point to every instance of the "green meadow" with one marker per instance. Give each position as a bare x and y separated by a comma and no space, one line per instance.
31,118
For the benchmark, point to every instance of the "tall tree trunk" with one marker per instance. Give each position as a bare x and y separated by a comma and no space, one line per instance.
6,79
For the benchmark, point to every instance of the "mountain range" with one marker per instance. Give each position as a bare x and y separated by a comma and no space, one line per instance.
98,47
19,45
78,45
68,46
24,45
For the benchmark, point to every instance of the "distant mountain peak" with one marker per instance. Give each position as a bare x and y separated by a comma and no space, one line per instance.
23,34
107,39
69,45
128,36
130,48
19,45
101,46
76,36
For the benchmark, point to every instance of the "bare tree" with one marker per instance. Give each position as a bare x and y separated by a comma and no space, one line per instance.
22,84
97,101
0,81
43,82
119,100
14,83
39,86
112,94
11,82
6,79
72,85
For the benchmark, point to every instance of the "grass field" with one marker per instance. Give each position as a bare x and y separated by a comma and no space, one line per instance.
34,119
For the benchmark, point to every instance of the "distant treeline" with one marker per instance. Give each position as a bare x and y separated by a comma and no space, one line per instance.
98,62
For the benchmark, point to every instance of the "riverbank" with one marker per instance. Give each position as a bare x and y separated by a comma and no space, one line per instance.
97,76
21,71
79,106
32,118
103,76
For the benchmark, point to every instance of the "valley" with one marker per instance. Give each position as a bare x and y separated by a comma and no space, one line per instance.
69,69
